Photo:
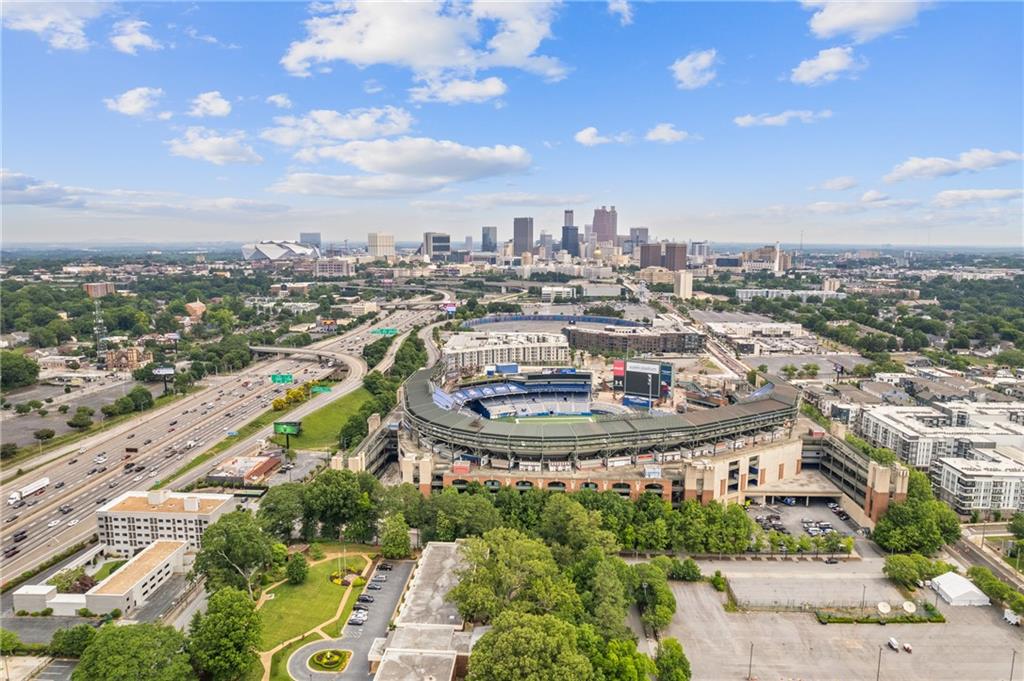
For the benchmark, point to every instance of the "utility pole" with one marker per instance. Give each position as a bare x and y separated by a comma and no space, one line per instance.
750,663
1013,661
878,672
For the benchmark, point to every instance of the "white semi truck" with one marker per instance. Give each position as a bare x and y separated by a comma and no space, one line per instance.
37,487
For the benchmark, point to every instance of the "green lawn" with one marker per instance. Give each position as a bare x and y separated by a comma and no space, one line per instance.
295,609
279,662
320,429
107,569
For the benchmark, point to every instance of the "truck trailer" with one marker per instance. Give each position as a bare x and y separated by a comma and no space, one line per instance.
37,487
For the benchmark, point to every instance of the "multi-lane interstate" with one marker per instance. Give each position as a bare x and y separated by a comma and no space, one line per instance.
94,469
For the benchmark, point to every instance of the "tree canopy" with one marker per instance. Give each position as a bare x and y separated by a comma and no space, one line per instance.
134,652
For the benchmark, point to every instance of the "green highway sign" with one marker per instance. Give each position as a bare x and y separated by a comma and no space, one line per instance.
287,427
320,389
280,378
386,331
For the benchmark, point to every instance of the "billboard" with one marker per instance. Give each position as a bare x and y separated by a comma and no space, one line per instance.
287,427
652,380
163,371
449,308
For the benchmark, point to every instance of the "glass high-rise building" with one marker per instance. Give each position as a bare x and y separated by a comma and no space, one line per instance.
489,239
571,240
522,235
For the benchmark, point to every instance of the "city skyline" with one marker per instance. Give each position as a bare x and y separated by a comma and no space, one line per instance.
889,123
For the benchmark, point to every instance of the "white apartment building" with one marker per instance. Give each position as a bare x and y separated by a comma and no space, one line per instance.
380,245
474,350
136,519
983,480
333,267
919,435
549,294
682,284
745,295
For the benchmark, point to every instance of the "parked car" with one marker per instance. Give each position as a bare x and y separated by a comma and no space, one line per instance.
374,586
365,598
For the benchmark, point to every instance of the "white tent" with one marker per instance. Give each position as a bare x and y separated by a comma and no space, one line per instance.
957,590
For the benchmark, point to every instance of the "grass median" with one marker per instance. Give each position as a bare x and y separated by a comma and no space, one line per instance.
320,429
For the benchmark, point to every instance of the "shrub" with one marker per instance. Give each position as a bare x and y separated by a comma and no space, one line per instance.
718,581
316,552
22,613
46,612
85,612
115,613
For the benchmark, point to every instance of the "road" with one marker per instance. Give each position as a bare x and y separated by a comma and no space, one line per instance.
162,437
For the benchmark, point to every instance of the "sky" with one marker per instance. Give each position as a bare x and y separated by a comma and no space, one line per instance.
855,122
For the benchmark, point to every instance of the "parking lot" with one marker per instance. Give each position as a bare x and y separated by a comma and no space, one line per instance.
791,517
973,644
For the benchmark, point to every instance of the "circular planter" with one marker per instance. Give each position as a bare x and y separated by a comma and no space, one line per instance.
331,660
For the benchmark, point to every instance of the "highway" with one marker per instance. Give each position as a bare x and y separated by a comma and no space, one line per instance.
82,481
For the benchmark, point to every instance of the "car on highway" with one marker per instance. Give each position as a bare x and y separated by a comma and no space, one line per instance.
152,474
73,522
101,500
92,471
72,462
11,518
113,484
11,551
147,442
138,478
65,508
59,485
130,436
53,523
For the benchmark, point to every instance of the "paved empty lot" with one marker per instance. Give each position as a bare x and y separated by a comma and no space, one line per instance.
973,645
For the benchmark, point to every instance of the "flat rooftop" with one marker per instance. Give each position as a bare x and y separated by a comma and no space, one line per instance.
402,665
804,483
139,502
129,574
433,577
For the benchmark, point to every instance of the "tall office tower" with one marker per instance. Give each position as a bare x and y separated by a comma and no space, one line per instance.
606,223
380,245
675,257
638,235
699,252
437,245
489,239
469,244
571,240
568,220
310,238
522,235
546,240
650,255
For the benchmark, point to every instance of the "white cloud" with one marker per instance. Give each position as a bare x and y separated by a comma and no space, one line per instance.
666,133
165,115
456,90
827,66
194,33
434,40
589,137
873,196
695,70
834,207
135,102
952,198
217,148
372,87
129,36
281,101
780,119
21,189
210,104
623,9
864,20
405,165
935,166
60,24
323,126
839,183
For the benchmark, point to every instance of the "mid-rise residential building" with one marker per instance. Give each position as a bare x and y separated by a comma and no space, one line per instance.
919,435
745,295
99,289
522,235
682,284
136,519
473,350
675,257
982,480
333,267
380,245
655,275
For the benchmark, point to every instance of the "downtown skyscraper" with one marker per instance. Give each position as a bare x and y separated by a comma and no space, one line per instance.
522,235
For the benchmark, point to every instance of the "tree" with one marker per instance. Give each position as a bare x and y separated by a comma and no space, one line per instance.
8,449
134,652
72,642
224,641
43,434
653,596
234,552
281,510
505,569
17,370
9,642
394,540
1016,526
297,569
523,647
82,419
671,661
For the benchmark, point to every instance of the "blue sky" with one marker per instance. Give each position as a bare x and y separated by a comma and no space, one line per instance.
850,122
